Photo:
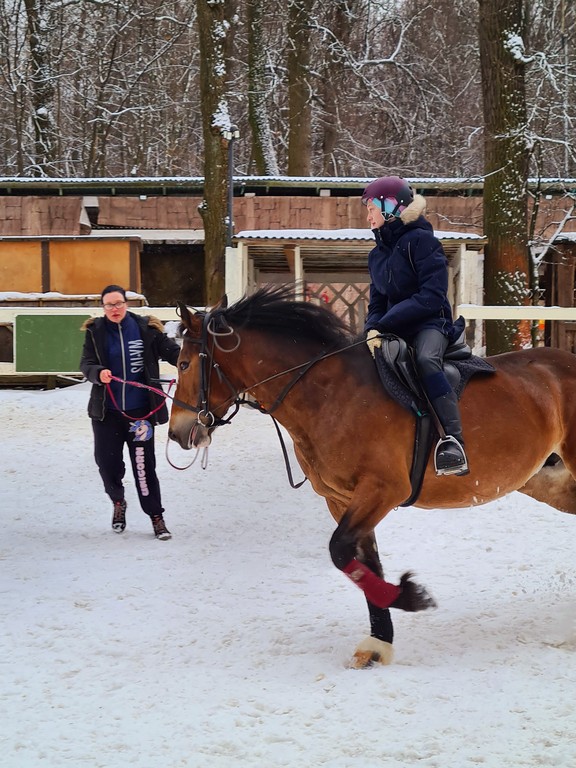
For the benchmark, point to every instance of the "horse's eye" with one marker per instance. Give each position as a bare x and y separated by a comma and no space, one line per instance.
184,365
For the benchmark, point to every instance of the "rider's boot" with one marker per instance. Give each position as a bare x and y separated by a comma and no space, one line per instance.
450,457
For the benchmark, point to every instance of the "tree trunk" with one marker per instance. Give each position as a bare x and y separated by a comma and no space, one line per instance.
213,27
41,87
262,145
299,89
506,163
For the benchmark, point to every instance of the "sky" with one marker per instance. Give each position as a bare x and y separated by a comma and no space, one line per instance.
228,645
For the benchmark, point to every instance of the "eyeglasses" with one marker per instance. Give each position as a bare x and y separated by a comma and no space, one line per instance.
117,305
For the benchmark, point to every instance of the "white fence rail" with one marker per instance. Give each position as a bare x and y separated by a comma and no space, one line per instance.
483,312
474,314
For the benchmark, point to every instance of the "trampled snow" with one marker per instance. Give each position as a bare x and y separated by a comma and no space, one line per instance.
227,646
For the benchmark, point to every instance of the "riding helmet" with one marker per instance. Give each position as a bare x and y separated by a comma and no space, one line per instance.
391,193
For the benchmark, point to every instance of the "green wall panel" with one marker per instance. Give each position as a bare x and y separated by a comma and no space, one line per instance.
48,343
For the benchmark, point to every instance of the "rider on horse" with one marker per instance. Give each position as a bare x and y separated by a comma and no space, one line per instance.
408,297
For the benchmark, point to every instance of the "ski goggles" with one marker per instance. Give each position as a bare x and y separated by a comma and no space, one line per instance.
389,206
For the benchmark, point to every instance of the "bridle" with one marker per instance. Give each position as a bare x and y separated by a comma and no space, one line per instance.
214,327
210,329
207,365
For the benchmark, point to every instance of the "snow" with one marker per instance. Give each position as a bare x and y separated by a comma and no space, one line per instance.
335,234
288,180
228,645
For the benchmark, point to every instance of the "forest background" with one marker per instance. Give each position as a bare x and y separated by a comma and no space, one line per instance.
111,88
357,88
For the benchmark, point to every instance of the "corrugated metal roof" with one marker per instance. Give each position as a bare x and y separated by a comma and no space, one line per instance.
340,234
341,251
185,184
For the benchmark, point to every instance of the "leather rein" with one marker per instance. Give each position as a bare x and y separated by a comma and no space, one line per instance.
212,332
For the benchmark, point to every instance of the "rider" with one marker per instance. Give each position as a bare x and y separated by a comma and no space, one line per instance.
408,297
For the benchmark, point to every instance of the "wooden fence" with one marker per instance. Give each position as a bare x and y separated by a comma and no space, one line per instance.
47,342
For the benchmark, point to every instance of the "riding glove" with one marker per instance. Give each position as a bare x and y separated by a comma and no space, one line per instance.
373,340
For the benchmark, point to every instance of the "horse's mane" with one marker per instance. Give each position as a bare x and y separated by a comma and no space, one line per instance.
276,310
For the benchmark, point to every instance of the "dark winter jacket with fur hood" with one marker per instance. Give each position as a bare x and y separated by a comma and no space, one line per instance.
409,278
100,334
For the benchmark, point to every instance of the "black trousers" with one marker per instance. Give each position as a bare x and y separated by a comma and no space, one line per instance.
110,437
429,348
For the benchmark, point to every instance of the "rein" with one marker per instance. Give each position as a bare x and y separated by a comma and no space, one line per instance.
141,386
207,364
205,416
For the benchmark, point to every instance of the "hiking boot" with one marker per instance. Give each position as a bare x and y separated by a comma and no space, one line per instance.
450,458
119,516
160,530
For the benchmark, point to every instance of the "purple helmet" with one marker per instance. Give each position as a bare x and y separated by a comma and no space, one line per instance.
391,193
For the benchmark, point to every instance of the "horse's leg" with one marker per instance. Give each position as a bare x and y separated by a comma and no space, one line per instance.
377,647
555,483
354,552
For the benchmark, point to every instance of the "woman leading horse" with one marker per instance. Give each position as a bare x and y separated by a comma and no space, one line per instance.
355,444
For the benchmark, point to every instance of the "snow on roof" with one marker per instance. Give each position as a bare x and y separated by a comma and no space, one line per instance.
176,235
289,181
335,234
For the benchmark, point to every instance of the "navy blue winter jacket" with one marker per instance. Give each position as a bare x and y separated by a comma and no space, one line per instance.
409,278
138,362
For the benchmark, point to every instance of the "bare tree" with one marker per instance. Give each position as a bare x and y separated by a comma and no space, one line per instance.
263,151
214,28
299,87
501,32
331,87
13,86
41,39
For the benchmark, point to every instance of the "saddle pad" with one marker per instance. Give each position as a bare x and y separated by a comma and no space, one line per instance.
399,392
468,368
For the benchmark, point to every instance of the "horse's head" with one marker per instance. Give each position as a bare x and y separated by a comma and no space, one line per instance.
203,394
281,336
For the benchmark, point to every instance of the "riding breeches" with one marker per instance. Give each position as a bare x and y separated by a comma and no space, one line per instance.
429,347
110,437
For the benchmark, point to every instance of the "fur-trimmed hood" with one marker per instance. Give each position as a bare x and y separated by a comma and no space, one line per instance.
416,208
153,322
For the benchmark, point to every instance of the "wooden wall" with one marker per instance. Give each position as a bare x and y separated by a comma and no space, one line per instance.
463,214
31,216
69,266
41,216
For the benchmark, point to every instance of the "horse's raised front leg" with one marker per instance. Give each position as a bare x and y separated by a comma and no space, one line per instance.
356,555
377,647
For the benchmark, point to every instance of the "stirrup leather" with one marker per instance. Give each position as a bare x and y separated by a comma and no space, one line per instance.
456,469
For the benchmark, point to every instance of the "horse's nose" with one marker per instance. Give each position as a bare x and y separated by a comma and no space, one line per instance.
174,436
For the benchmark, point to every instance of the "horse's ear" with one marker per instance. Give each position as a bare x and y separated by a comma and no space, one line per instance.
222,304
183,312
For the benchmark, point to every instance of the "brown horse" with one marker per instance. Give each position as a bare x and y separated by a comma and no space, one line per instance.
301,363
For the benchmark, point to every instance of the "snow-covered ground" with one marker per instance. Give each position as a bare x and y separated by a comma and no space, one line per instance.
227,646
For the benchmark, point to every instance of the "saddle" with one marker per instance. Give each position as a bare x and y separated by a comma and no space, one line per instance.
395,366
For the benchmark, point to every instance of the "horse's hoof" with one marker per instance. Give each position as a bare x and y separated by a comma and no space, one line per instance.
413,597
372,651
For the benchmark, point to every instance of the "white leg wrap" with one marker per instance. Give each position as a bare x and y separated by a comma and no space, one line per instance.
372,651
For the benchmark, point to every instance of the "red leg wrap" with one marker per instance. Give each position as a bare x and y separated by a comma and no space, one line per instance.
377,591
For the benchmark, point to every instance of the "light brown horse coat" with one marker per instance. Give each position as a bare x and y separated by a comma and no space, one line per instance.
355,444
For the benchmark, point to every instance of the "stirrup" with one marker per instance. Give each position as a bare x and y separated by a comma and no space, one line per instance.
461,465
